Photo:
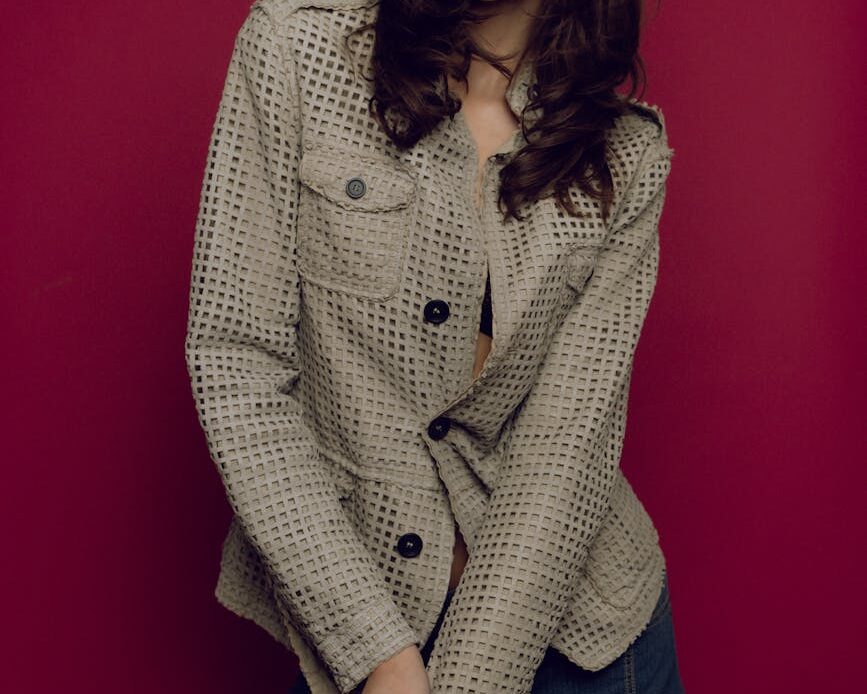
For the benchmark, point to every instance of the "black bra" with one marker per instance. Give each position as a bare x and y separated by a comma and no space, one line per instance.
487,319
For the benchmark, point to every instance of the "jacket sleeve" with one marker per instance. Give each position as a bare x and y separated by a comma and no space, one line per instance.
560,465
242,358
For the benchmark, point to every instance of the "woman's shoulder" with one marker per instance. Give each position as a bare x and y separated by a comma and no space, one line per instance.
639,153
641,121
640,129
308,21
302,31
279,10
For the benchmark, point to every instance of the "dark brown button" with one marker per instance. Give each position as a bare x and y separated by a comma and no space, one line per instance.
409,545
436,311
439,427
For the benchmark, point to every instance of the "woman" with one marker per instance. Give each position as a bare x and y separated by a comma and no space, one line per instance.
414,305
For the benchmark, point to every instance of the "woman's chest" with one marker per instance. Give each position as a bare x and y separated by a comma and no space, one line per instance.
393,255
372,219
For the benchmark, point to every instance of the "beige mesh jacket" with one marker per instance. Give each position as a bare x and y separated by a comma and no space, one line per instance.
335,297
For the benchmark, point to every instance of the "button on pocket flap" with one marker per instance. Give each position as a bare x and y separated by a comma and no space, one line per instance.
580,263
356,181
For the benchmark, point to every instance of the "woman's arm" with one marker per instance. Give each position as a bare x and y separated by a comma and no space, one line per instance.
243,363
560,466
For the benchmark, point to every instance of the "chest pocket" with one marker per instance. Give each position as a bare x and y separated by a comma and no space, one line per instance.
356,211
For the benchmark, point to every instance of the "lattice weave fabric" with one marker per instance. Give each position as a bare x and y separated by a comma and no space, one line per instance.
336,293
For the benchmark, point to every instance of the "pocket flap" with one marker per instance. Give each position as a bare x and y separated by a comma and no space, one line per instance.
356,181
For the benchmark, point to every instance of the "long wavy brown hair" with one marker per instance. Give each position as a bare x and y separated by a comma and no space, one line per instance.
583,50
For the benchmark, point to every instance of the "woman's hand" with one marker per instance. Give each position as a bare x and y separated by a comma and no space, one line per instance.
403,673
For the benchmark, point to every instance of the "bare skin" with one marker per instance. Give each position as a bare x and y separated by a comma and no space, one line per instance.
491,123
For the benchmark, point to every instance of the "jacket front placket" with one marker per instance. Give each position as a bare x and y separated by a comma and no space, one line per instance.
463,434
489,227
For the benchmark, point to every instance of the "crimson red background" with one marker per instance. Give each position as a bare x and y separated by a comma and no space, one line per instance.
745,436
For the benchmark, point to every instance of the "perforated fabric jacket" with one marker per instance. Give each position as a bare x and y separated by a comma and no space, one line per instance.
335,297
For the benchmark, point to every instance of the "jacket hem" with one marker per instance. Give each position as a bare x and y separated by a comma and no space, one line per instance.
631,624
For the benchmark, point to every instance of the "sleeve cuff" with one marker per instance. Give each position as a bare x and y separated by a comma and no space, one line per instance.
363,642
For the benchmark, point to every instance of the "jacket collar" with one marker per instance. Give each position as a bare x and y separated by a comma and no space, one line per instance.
518,95
518,90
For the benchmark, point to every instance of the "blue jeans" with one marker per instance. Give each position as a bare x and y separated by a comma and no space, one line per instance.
648,666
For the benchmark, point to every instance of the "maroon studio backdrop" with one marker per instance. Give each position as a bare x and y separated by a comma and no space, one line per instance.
745,435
